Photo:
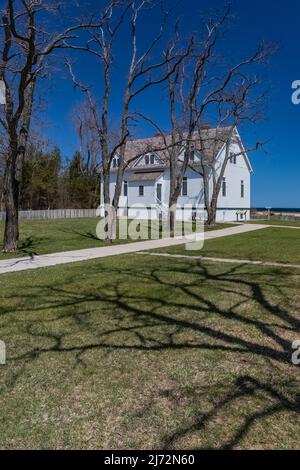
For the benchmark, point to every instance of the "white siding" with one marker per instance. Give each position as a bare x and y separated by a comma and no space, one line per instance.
133,195
195,189
234,175
229,207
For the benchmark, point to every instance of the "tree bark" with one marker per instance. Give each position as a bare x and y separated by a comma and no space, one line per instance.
212,213
213,203
11,198
13,172
107,205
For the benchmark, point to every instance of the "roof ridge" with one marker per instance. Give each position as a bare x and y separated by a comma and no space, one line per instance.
156,136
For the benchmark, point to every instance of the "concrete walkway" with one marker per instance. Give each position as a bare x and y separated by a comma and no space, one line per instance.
54,259
281,226
223,260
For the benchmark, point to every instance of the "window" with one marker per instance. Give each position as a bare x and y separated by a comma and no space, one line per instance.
192,156
147,160
242,189
224,187
152,159
141,191
116,162
125,188
233,158
185,187
158,191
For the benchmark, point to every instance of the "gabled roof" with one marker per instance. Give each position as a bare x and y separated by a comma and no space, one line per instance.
207,141
145,176
243,150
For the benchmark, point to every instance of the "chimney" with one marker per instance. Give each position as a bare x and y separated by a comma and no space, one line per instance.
206,126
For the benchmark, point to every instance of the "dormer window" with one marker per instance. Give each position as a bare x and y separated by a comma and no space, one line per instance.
115,162
233,158
150,159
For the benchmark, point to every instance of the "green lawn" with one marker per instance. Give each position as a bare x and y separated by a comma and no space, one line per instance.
284,223
271,244
50,236
209,228
150,353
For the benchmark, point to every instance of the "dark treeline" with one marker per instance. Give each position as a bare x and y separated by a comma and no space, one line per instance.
50,183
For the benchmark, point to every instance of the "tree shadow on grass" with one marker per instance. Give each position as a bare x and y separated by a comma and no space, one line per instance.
29,246
148,309
84,235
245,387
197,308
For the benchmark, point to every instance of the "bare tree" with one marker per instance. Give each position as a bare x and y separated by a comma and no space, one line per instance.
25,49
239,105
194,89
143,72
89,145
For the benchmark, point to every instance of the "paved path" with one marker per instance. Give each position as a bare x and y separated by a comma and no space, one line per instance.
281,226
53,259
223,260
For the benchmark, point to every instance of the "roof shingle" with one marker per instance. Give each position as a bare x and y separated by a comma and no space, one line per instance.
151,176
207,141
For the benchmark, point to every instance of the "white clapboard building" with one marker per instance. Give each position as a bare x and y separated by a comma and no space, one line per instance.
145,192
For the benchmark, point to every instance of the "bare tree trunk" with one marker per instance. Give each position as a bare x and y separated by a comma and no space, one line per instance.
11,198
212,204
212,213
118,187
107,205
174,193
176,179
172,219
13,174
27,43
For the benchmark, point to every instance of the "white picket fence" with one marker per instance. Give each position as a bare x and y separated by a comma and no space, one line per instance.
54,214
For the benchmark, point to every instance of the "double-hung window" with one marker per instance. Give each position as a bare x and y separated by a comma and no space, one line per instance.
185,186
224,187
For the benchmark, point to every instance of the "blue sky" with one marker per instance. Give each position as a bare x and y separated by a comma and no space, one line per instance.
276,179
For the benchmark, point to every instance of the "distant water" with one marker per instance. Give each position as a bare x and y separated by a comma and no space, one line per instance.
279,210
